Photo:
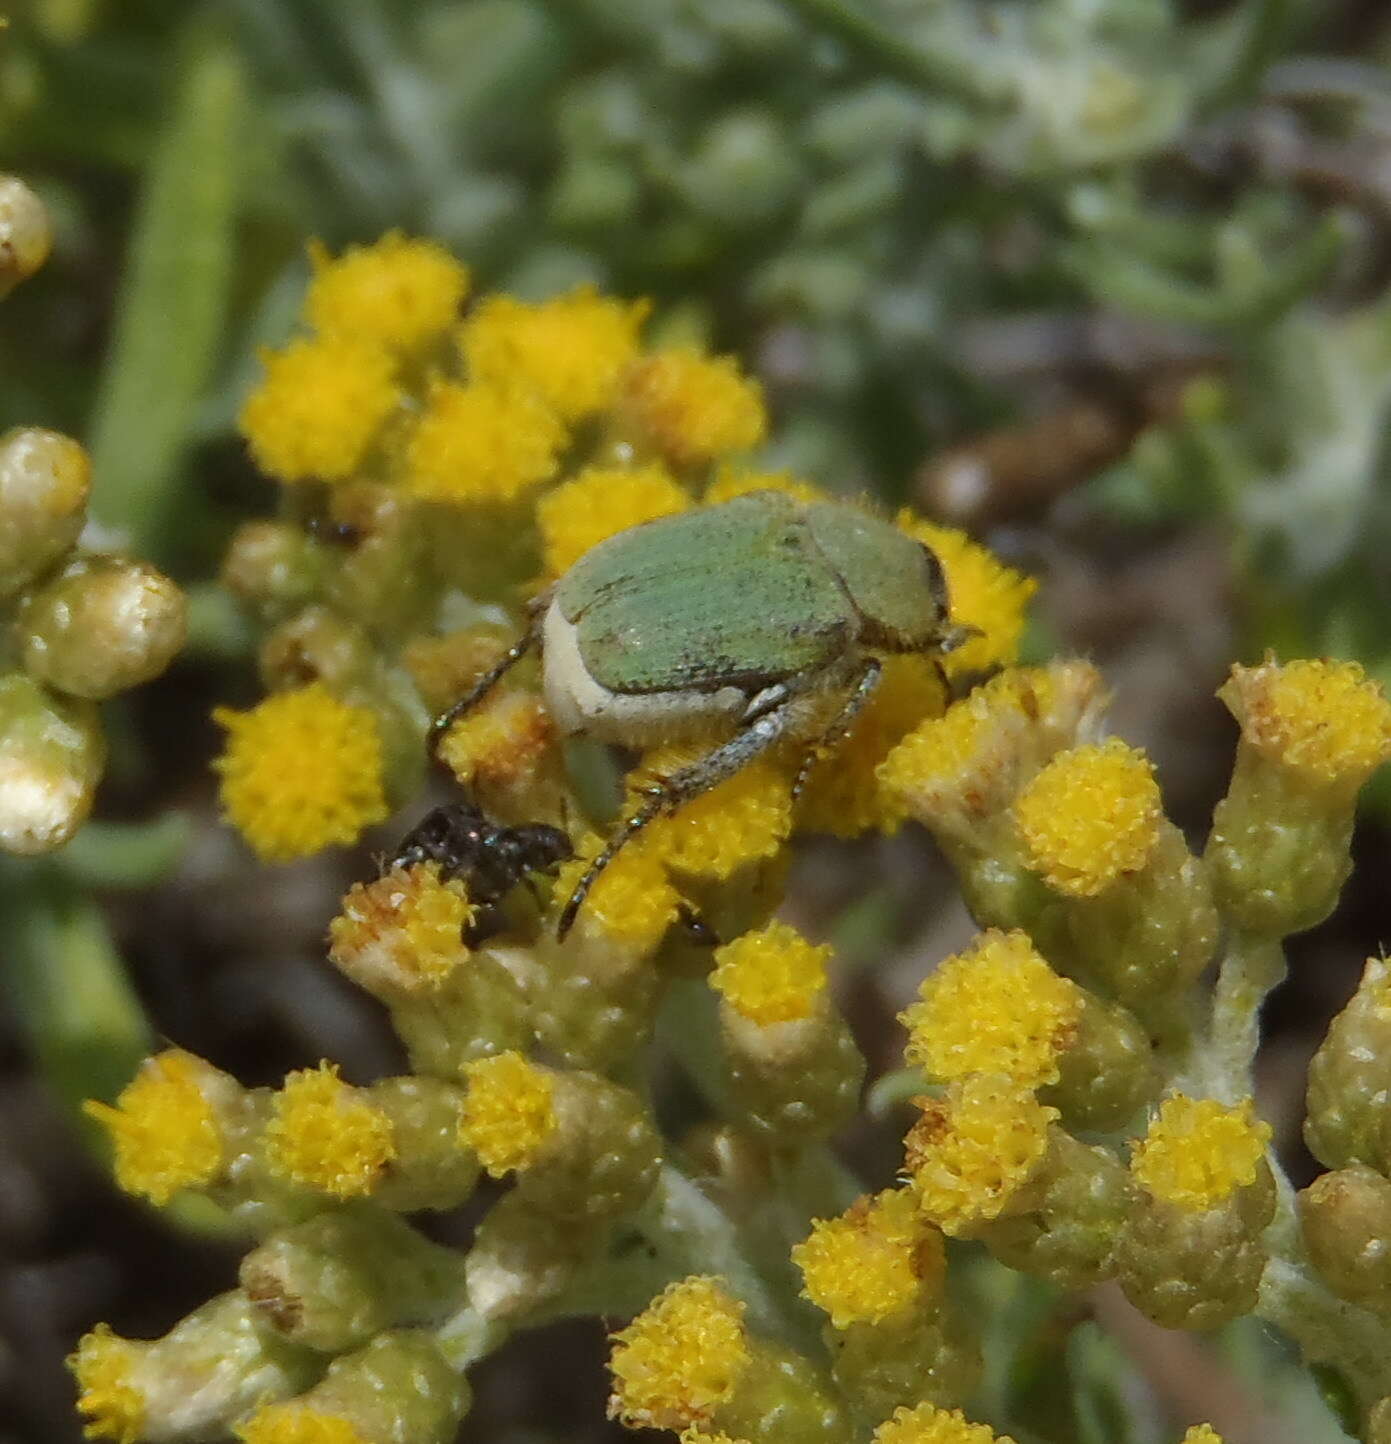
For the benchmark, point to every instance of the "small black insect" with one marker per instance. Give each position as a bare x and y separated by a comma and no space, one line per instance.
487,856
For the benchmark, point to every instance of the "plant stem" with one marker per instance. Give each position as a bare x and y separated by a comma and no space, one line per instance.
944,75
1251,967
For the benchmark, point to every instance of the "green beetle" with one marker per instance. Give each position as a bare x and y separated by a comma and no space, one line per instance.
765,614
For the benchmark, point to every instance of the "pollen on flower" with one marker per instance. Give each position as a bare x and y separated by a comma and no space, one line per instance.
296,1423
481,444
699,1436
970,1153
695,408
1327,721
1198,1152
163,1128
773,975
680,1358
1091,816
104,1365
984,593
876,1261
996,1008
927,1424
732,481
318,408
398,293
501,744
509,1112
743,819
632,904
324,1134
599,503
1202,1434
402,932
300,770
844,794
571,350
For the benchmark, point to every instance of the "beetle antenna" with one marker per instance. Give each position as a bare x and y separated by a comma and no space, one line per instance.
480,689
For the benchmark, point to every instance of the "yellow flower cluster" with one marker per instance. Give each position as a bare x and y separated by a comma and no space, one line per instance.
1090,817
771,976
1198,1152
970,1152
509,1112
680,1358
599,503
996,1008
875,1261
164,1129
927,1424
104,1365
301,770
294,1423
323,1134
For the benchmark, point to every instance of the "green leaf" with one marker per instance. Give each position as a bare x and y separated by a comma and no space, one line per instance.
172,302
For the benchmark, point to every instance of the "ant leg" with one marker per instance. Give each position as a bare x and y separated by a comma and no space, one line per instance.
682,786
480,689
860,692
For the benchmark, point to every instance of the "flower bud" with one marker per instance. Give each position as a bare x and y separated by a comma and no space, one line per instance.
207,1371
101,626
793,1067
1312,732
583,1147
26,234
379,575
1191,1256
520,1260
45,483
1347,1120
272,568
51,756
1346,1219
399,1387
335,1280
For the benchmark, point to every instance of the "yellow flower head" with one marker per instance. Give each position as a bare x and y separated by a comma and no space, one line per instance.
1091,816
699,1436
844,794
927,1424
1202,1434
734,481
164,1128
633,903
984,594
680,1358
599,503
954,771
571,351
318,408
1198,1152
695,408
970,1153
325,1134
1325,721
402,932
876,1261
770,976
398,294
996,1008
105,1365
509,1112
300,771
296,1423
502,745
481,444
744,819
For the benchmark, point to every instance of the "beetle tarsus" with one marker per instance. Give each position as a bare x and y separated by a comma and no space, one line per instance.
863,689
439,728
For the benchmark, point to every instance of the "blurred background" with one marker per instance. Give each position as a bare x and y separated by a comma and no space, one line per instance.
1103,281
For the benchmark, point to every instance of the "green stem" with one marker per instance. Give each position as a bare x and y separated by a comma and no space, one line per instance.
1260,30
1251,967
945,75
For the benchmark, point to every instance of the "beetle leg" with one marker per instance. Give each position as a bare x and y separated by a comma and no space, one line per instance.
681,786
860,692
480,689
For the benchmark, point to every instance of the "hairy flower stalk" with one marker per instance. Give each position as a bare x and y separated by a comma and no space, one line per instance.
1082,1102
